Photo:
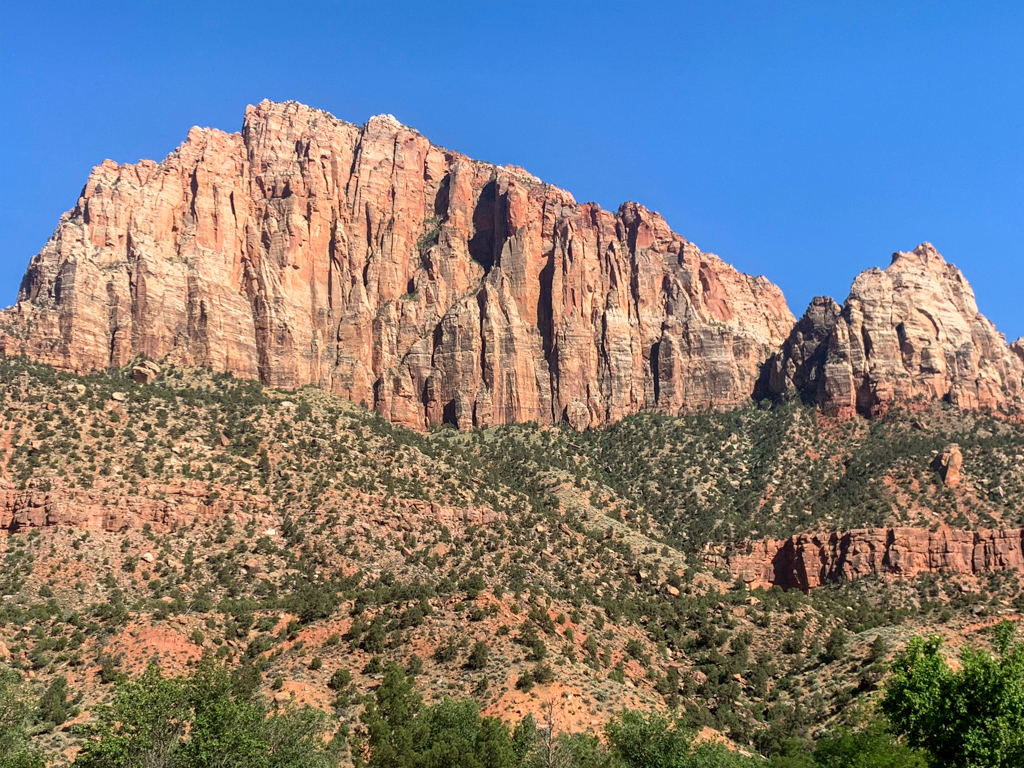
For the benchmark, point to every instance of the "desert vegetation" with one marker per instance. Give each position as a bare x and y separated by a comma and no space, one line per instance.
298,551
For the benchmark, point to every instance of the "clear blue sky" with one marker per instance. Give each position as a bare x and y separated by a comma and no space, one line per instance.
801,141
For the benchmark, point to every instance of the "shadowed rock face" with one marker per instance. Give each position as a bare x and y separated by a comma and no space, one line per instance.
369,262
799,365
910,330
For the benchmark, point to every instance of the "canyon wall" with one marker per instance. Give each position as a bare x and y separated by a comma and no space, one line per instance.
809,560
373,264
439,289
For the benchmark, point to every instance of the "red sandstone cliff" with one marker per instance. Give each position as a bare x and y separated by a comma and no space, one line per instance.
378,266
808,560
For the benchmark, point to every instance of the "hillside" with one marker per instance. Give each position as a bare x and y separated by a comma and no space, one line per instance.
293,535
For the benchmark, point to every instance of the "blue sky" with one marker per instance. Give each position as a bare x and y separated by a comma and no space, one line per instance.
803,141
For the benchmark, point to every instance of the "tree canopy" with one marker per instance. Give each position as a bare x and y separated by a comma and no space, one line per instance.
200,722
971,717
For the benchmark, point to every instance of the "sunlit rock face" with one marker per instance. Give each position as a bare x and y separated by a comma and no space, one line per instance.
369,262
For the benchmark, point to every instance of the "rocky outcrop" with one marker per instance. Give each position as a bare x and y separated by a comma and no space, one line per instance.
809,560
799,366
146,372
910,330
164,507
1017,348
369,262
948,464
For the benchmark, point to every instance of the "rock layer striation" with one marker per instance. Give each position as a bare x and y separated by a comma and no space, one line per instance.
165,507
369,262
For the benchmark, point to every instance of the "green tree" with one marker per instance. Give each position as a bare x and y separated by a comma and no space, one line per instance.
142,727
655,741
458,737
399,732
53,705
835,645
524,738
340,680
878,648
388,720
224,729
16,750
312,601
200,722
872,747
478,656
969,718
293,739
580,750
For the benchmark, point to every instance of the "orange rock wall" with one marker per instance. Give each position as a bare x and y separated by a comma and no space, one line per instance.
809,560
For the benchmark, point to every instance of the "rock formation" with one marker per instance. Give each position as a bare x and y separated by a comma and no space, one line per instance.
910,330
808,560
369,262
146,372
1018,348
799,365
948,464
164,507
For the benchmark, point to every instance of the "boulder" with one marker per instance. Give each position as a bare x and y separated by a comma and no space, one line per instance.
146,372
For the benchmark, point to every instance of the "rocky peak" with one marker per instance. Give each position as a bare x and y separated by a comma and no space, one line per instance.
1017,348
910,330
925,254
386,121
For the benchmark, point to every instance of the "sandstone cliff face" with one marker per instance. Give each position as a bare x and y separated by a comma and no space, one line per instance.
369,262
808,560
912,329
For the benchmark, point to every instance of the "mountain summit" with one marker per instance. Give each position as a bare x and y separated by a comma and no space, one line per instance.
912,330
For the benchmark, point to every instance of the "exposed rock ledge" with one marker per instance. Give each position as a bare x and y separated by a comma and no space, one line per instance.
165,507
811,559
